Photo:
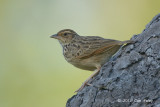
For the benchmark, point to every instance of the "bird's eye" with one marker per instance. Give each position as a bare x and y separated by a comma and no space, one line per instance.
65,34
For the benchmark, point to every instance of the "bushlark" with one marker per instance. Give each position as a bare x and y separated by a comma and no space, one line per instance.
87,52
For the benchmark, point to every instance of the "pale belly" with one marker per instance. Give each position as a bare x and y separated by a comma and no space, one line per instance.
91,63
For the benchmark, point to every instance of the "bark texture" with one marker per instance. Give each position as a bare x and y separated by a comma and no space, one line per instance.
131,79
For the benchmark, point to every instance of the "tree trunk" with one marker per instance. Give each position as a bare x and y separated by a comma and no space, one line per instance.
131,79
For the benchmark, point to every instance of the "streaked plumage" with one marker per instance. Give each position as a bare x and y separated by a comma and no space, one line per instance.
87,52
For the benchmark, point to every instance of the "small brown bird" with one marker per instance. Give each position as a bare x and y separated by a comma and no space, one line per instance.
87,52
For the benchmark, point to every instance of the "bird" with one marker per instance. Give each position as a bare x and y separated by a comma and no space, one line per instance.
87,52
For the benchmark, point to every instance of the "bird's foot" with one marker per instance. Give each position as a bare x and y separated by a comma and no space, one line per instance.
86,82
83,85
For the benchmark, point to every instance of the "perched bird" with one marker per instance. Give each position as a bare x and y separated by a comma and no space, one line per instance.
87,52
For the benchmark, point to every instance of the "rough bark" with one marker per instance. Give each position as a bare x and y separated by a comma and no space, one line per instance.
132,79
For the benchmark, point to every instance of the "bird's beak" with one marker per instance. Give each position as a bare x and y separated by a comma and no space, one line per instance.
55,36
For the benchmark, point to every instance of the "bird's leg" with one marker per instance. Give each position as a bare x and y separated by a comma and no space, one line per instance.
86,81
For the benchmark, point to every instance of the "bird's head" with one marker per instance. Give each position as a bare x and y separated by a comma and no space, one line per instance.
65,36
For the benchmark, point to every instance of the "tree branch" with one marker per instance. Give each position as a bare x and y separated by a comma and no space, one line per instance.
132,79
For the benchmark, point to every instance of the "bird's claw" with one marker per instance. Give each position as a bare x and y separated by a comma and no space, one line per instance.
82,86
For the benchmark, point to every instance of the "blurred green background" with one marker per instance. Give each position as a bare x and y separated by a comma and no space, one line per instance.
33,72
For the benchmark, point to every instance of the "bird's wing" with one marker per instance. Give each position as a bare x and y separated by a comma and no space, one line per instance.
93,45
